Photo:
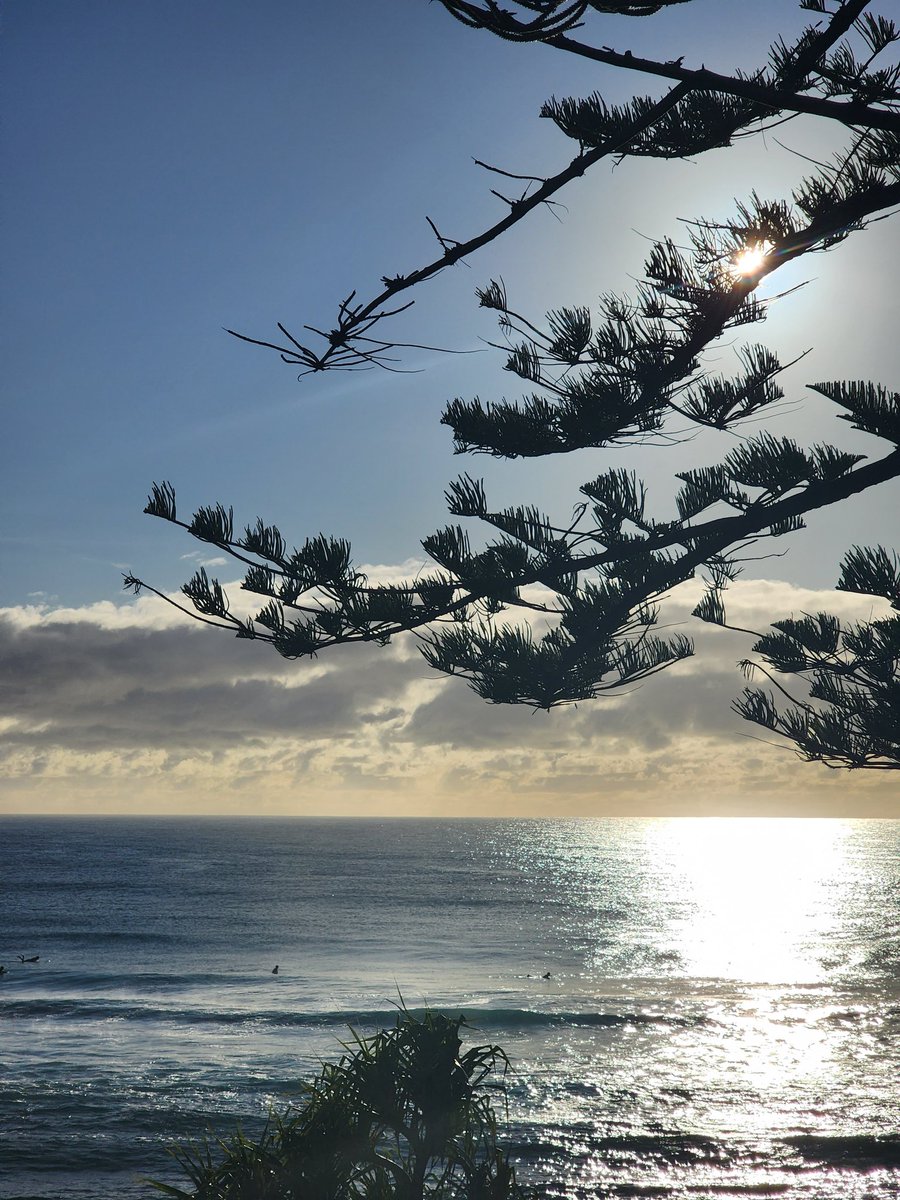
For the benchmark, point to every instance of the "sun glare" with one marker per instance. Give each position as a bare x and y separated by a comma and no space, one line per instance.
751,259
762,891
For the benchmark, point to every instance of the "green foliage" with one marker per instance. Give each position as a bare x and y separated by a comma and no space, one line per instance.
873,572
715,401
871,408
546,611
774,464
404,1115
852,717
705,486
206,595
702,121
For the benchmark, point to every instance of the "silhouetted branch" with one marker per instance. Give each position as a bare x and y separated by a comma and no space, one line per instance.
351,320
778,93
633,376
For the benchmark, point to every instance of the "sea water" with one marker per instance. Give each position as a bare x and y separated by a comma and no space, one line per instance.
691,1007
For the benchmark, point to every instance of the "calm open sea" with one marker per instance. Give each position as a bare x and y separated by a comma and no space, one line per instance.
721,1017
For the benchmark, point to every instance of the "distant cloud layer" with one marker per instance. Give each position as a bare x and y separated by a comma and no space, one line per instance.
132,708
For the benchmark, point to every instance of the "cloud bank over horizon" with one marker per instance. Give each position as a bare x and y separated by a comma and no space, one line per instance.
131,708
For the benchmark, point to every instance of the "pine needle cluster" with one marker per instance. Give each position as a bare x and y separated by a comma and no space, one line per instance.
545,613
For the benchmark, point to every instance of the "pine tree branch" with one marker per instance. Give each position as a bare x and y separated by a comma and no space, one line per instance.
840,217
713,536
132,584
701,542
616,382
354,320
776,99
343,351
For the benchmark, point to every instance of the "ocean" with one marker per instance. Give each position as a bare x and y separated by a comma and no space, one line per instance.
721,1015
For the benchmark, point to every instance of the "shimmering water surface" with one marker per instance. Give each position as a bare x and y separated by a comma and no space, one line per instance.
721,1017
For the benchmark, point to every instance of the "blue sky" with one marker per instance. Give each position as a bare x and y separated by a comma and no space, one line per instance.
176,166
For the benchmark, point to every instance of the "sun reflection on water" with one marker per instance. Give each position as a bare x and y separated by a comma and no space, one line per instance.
760,893
751,966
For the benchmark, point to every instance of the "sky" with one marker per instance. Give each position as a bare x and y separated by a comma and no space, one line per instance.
175,167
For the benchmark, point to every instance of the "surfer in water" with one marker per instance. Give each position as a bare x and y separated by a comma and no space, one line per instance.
275,969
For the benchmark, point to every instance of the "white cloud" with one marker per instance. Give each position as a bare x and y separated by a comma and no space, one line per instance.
202,558
385,573
124,706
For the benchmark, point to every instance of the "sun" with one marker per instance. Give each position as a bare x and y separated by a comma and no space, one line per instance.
751,259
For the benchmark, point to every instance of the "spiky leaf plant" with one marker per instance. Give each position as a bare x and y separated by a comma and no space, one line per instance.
403,1115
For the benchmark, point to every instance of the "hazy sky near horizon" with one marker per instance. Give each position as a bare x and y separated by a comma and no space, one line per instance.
177,166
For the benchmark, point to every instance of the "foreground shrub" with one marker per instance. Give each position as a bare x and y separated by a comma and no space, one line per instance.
403,1114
